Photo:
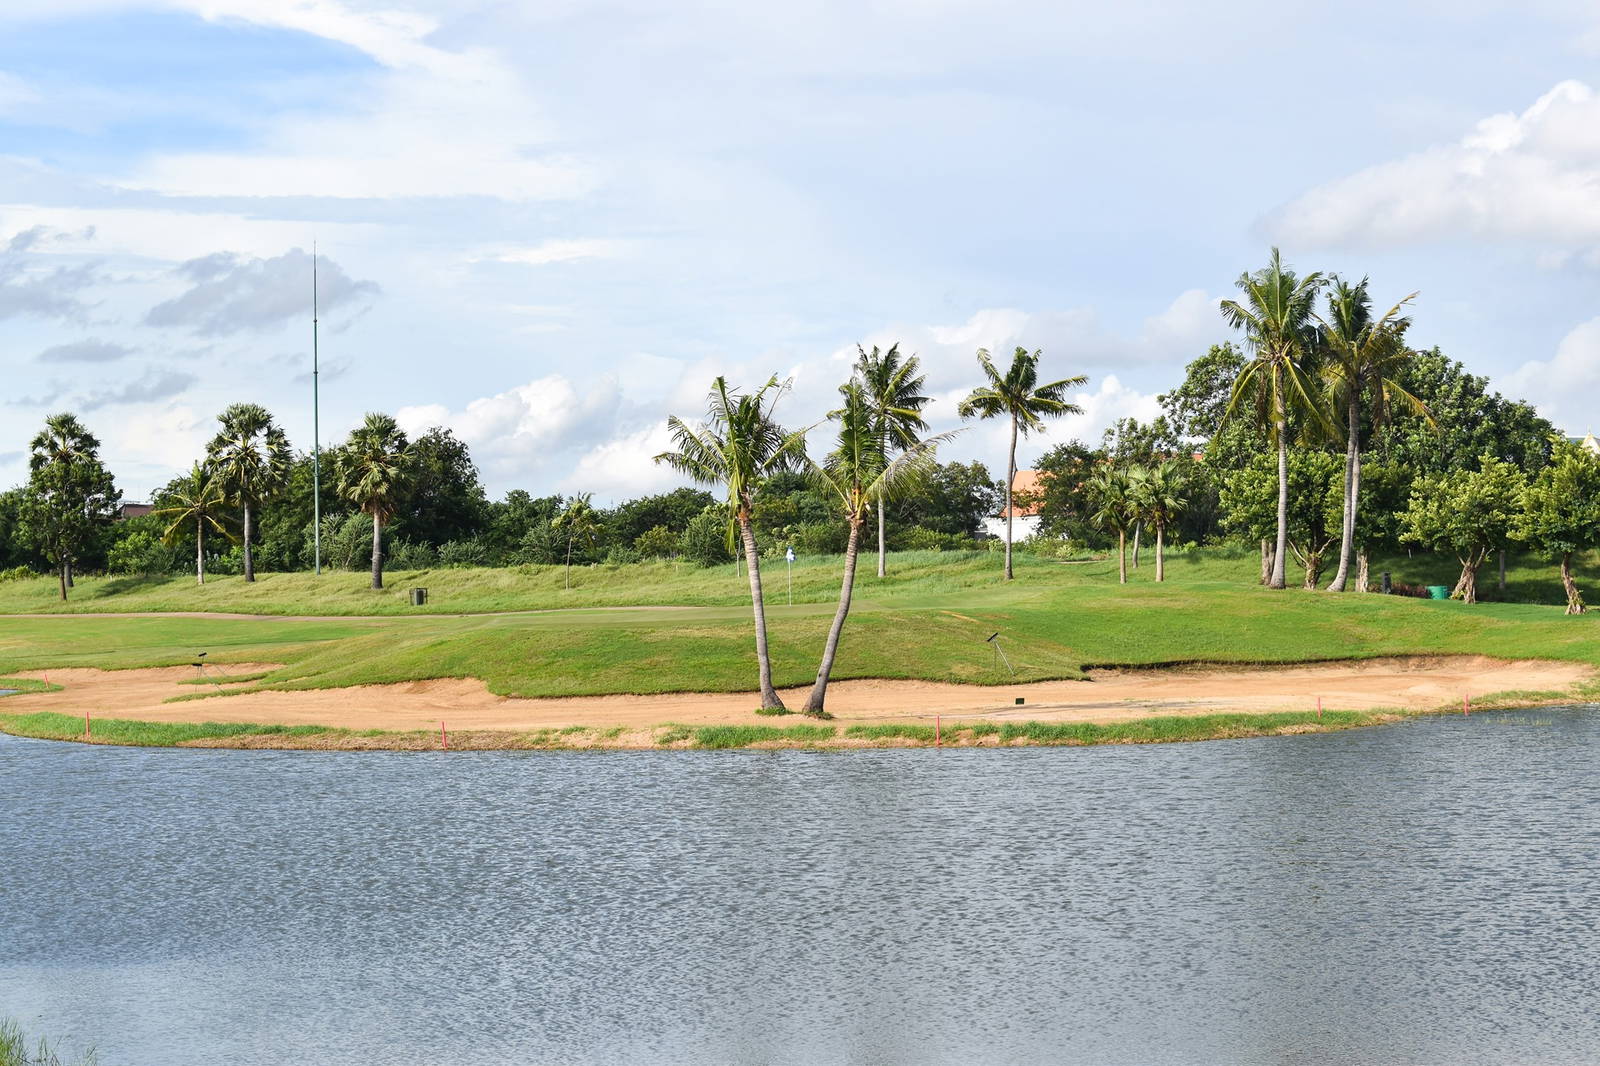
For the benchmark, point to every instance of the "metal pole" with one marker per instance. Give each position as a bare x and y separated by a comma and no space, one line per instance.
316,428
791,584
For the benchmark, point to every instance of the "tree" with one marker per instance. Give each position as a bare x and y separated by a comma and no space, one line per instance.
856,473
1065,503
249,457
1111,496
69,497
374,473
953,499
1316,494
1365,355
1469,421
580,524
1468,512
1275,317
446,501
1017,395
195,498
739,446
893,390
1561,513
657,542
1157,496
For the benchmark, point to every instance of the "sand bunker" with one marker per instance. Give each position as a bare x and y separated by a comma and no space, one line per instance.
1111,696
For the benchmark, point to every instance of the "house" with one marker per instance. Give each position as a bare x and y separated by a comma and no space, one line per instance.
1027,492
134,510
1587,443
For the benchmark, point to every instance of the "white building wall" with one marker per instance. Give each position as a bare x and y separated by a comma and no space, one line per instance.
1024,527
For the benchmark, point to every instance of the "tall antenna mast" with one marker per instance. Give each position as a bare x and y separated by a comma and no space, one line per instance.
316,428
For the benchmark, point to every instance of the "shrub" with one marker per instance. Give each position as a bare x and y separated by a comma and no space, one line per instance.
705,539
16,573
470,552
919,539
658,542
405,555
140,552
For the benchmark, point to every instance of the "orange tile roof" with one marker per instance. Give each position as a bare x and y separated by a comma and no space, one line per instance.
1027,482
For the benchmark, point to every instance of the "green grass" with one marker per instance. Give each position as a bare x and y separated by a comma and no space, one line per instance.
47,725
17,1050
717,737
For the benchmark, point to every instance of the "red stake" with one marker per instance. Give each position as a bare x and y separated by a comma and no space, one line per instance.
86,733
1466,704
1319,706
936,731
444,738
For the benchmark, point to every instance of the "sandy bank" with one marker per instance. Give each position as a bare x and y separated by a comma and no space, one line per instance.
1110,696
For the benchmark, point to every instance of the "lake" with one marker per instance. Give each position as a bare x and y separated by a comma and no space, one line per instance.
1425,892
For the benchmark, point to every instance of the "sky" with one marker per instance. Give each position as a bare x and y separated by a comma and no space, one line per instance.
548,225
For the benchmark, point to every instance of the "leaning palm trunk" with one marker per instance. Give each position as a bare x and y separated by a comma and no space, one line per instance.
819,691
1138,528
1574,597
1011,477
377,552
249,561
199,551
1161,556
1352,494
769,695
1122,556
880,535
1282,542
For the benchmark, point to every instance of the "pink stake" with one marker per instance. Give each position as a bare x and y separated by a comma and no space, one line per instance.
1466,704
444,738
86,733
1319,706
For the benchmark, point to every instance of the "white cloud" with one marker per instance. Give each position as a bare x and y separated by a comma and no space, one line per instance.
625,467
1530,176
555,251
1563,386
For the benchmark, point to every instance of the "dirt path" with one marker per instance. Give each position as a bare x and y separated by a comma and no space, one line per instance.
1111,696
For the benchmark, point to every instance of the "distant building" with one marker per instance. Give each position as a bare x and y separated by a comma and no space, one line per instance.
134,510
1027,490
1587,443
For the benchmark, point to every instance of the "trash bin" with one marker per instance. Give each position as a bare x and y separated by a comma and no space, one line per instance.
1438,592
419,597
1388,586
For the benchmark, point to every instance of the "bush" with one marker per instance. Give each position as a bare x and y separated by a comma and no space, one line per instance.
705,539
141,552
542,544
920,539
406,555
16,573
470,552
658,542
825,538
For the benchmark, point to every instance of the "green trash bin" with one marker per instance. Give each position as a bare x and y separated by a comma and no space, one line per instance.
1438,592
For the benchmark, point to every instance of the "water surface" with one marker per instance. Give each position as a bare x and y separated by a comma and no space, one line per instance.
1419,893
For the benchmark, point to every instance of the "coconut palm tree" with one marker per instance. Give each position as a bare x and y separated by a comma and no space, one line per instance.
199,499
857,473
1364,359
249,458
1018,396
1156,495
1276,316
1110,490
893,389
581,524
374,469
740,445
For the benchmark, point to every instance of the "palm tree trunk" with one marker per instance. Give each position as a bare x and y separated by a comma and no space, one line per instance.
1352,491
1266,560
880,535
377,552
199,551
1122,556
769,695
819,691
1363,571
1282,545
1574,597
1011,477
1138,528
569,562
1161,561
249,563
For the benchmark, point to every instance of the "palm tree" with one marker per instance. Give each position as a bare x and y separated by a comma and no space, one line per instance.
895,401
1364,357
1276,317
374,471
579,520
194,498
1110,490
1157,496
249,457
1019,396
73,490
856,473
740,445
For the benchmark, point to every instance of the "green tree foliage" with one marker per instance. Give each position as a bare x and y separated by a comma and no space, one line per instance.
249,457
578,524
141,551
70,496
283,538
657,542
1560,513
705,538
674,510
513,519
194,502
1110,494
1066,503
739,446
446,501
1018,396
1275,315
1158,497
1315,500
892,385
373,470
1469,513
1469,421
14,548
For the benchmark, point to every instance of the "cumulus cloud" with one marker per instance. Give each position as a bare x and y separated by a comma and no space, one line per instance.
1563,386
231,293
29,285
89,350
1530,176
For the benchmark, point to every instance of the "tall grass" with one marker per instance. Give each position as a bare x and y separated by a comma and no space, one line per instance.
15,1050
47,725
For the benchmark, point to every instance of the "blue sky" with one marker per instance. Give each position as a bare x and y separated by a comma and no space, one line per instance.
548,225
